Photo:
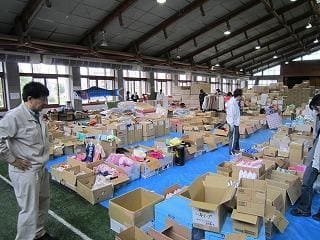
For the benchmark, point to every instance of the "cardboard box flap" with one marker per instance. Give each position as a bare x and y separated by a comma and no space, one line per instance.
178,231
280,221
294,192
133,233
252,219
204,205
198,183
235,236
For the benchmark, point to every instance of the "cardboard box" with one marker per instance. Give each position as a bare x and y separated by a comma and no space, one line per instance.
166,127
70,176
235,236
85,189
138,133
130,134
150,167
160,128
134,208
173,231
108,147
123,140
270,151
57,175
133,233
246,223
296,152
275,199
290,185
260,171
208,194
221,132
304,128
148,129
225,169
251,197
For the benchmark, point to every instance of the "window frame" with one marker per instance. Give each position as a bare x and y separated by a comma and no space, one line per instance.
46,76
4,95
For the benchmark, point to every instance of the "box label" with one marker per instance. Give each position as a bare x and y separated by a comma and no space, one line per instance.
202,217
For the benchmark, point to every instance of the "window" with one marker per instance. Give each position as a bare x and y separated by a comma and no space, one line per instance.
184,79
2,96
215,84
201,79
227,85
54,77
258,74
98,77
134,74
163,81
166,87
312,56
251,83
135,82
266,82
272,71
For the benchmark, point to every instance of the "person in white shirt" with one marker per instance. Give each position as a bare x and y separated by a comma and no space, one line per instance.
312,171
160,97
233,120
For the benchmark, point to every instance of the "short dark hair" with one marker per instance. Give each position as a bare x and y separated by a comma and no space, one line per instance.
229,94
314,102
237,92
34,90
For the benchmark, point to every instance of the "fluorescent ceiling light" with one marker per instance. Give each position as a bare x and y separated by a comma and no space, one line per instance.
161,1
316,40
227,32
217,65
258,47
286,62
275,56
309,25
241,70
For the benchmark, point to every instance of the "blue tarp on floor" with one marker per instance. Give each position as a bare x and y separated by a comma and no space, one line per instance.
299,228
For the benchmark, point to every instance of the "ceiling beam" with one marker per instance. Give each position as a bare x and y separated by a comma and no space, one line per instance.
24,20
275,49
283,37
209,26
117,11
268,5
173,18
284,54
240,31
254,38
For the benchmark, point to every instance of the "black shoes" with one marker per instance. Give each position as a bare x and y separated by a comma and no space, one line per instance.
46,236
316,216
299,213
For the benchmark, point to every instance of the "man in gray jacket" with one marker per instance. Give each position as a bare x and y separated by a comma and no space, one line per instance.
24,145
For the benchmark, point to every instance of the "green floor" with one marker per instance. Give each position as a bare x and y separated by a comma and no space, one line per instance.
91,220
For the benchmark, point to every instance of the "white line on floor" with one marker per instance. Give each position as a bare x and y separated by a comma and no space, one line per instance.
58,218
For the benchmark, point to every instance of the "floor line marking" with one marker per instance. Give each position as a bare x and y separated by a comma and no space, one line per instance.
58,218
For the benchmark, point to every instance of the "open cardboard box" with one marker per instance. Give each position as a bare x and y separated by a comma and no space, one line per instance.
133,233
245,223
57,175
208,194
122,176
135,208
70,176
251,197
84,189
225,169
289,183
173,231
